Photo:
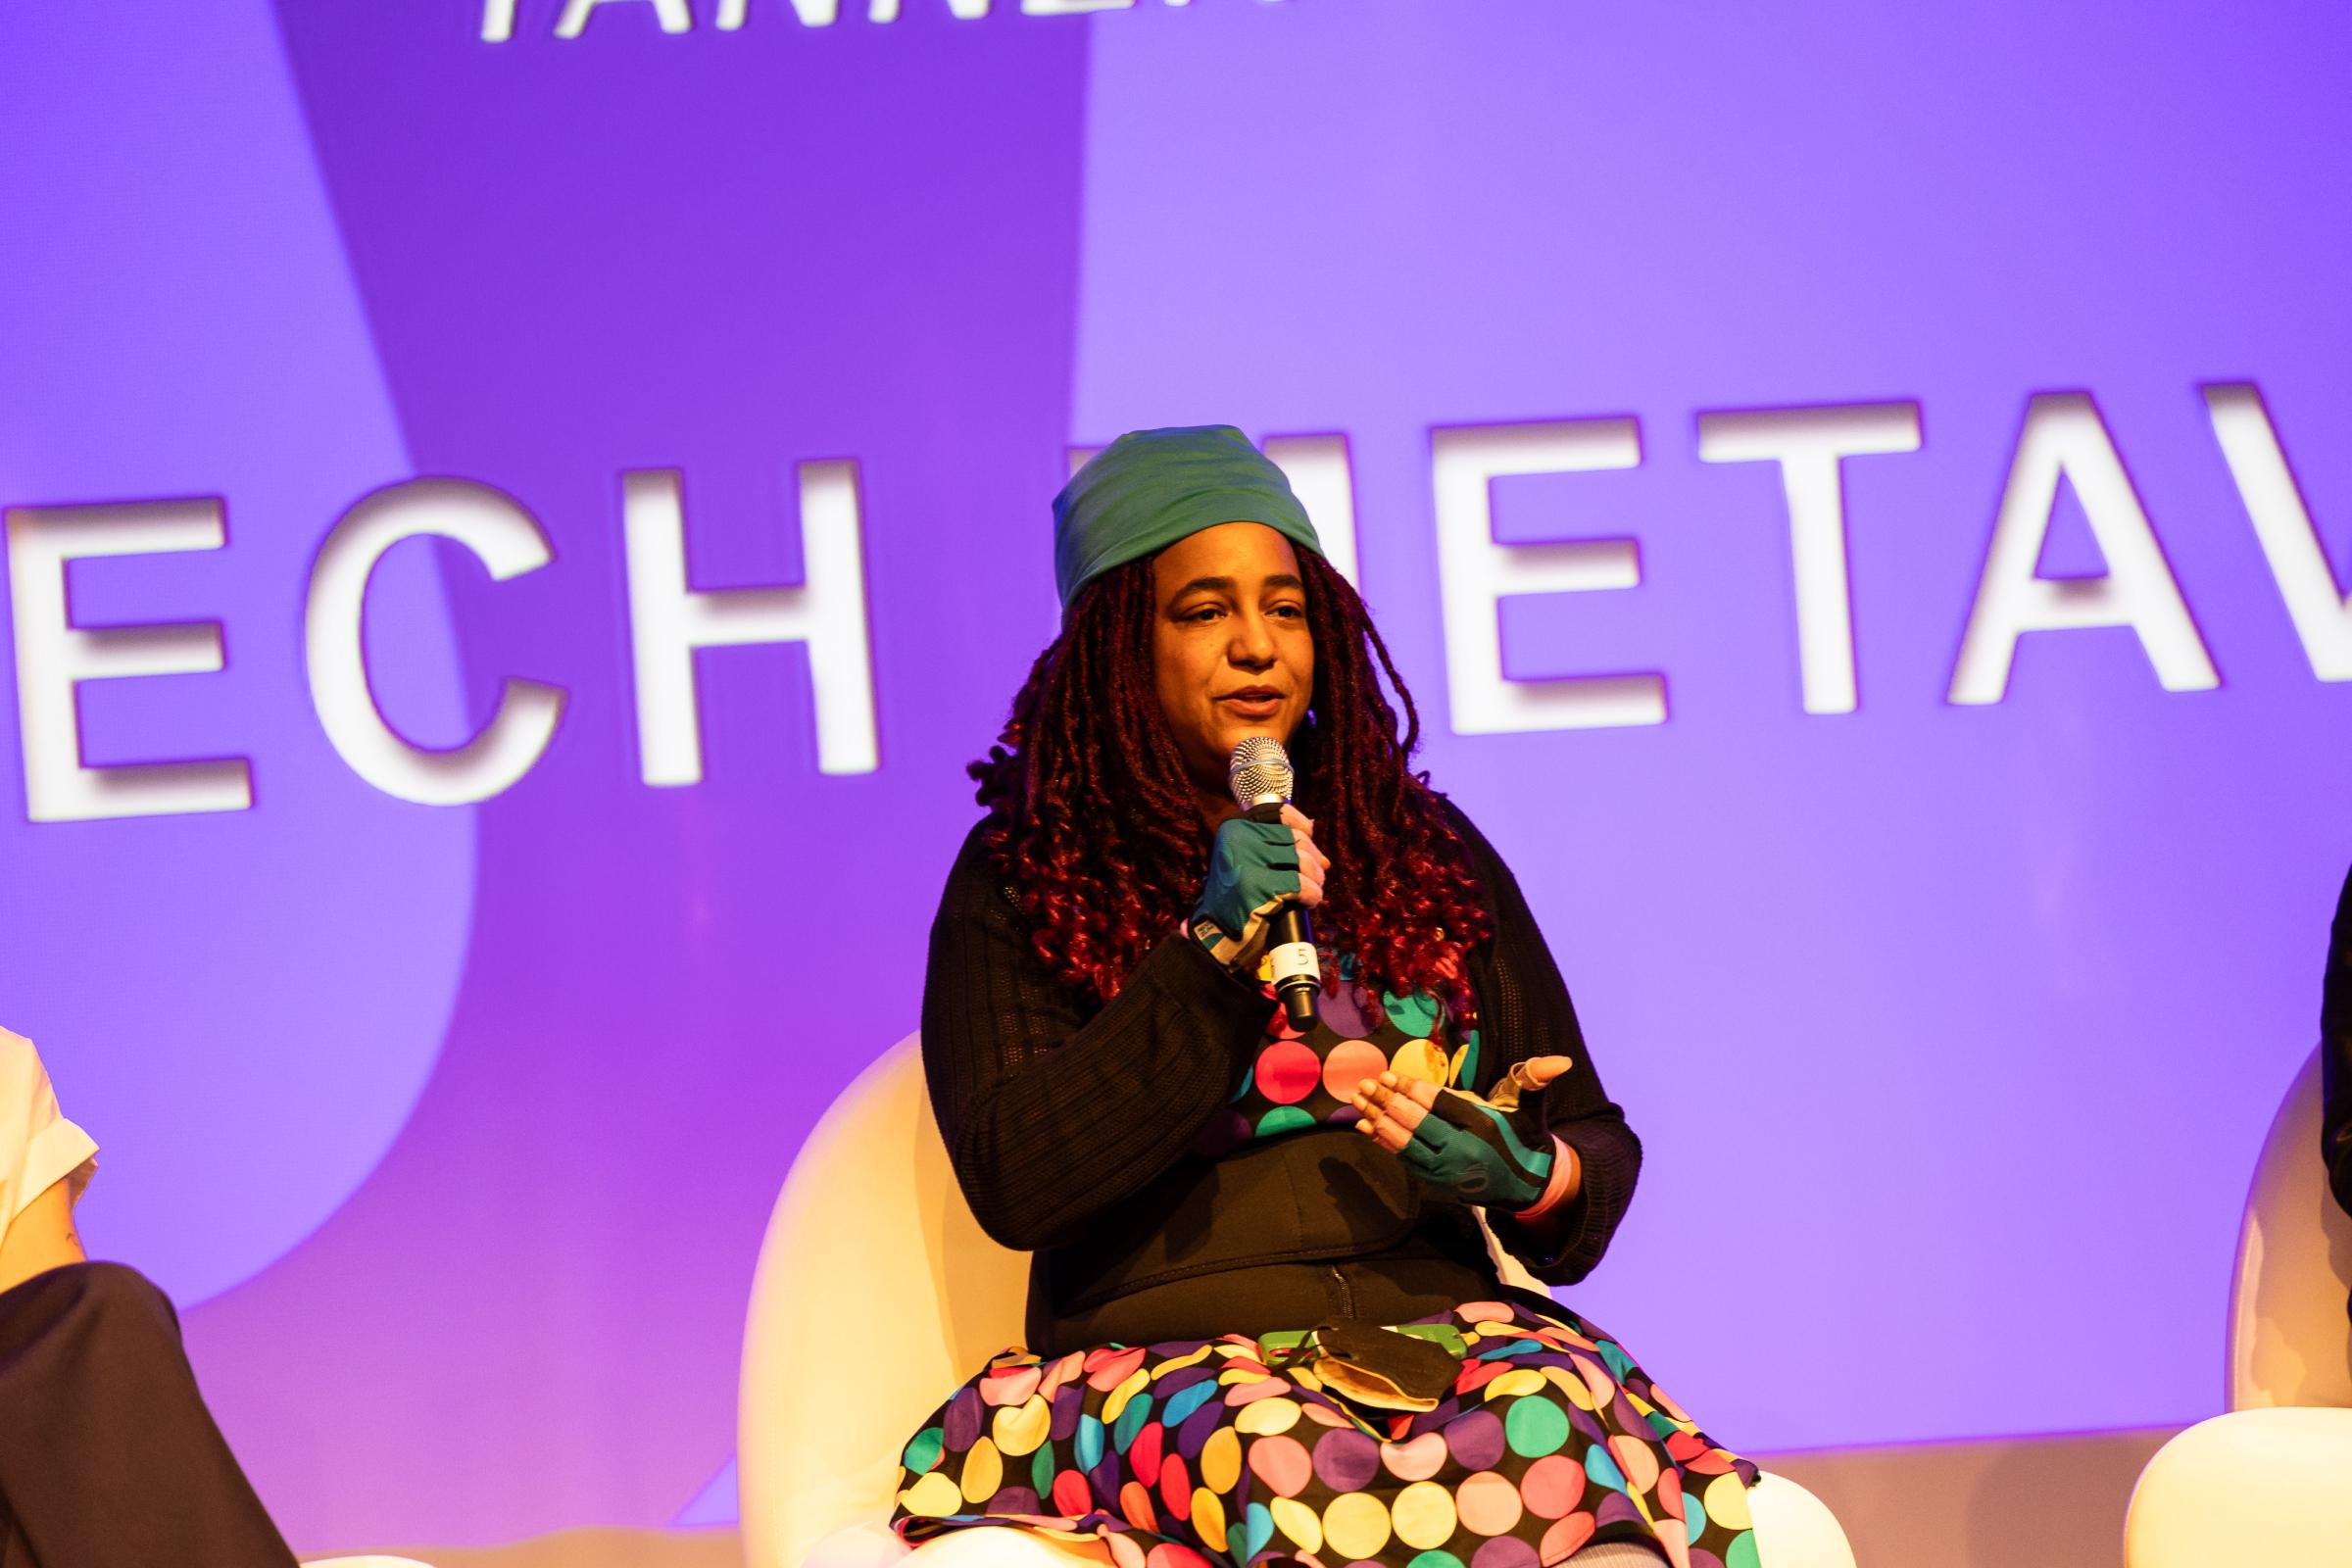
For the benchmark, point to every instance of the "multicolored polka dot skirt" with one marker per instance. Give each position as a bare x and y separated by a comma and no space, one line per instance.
1232,1450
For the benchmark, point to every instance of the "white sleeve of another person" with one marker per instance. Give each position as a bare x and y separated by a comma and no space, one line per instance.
38,1146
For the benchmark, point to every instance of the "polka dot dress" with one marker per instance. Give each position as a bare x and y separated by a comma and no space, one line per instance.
1184,1453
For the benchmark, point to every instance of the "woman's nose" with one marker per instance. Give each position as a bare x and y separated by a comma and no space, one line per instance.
1253,641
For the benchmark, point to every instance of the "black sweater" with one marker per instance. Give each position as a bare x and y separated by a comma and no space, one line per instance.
1068,1126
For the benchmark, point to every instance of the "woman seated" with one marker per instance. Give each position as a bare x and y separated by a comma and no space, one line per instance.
107,1458
1263,1319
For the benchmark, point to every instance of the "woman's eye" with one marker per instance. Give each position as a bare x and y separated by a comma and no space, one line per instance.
1205,612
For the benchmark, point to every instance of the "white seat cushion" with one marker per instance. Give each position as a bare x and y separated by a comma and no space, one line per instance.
1794,1529
2269,1486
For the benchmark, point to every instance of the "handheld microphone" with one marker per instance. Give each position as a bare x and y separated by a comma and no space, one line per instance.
1259,771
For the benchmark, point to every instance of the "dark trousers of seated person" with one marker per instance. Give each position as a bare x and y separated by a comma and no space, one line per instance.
107,1458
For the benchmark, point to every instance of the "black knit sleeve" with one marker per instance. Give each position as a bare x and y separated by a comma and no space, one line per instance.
1524,1012
2335,1052
1052,1109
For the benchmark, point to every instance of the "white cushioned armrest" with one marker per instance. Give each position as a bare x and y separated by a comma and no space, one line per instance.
2288,1341
2267,1486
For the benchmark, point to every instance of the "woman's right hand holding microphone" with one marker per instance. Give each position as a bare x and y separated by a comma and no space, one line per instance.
1255,868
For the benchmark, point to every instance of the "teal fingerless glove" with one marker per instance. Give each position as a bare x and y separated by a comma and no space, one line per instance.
1491,1153
1252,871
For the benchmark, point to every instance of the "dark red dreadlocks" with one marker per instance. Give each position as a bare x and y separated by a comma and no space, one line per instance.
1099,830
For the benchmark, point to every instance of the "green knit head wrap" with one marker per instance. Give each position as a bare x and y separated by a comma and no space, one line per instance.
1150,488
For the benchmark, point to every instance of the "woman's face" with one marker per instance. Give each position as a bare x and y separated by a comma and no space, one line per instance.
1230,647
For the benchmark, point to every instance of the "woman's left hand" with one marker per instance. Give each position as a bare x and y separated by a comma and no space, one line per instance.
1497,1153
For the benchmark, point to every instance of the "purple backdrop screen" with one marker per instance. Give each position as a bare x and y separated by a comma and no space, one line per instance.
518,513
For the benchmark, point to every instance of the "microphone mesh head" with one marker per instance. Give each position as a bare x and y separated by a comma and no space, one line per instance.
1258,768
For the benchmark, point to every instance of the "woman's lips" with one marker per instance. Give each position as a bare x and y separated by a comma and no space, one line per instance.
1253,704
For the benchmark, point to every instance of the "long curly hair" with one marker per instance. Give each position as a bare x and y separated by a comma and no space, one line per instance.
1099,833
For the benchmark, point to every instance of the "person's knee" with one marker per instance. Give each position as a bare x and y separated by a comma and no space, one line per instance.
116,1294
107,1303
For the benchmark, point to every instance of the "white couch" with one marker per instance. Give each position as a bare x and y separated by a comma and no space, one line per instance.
871,1249
2270,1482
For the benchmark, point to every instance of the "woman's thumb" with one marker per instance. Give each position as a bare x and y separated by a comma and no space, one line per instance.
1543,1069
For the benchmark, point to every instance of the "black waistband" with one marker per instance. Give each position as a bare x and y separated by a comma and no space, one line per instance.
1310,1228
1267,1297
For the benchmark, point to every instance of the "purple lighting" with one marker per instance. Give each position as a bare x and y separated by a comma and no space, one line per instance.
1942,870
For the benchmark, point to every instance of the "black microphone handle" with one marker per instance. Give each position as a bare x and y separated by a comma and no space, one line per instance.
1297,991
1290,924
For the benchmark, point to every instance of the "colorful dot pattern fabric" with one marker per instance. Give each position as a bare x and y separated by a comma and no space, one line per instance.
1184,1455
1301,1081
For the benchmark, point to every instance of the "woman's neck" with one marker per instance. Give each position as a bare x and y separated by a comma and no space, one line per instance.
1216,806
